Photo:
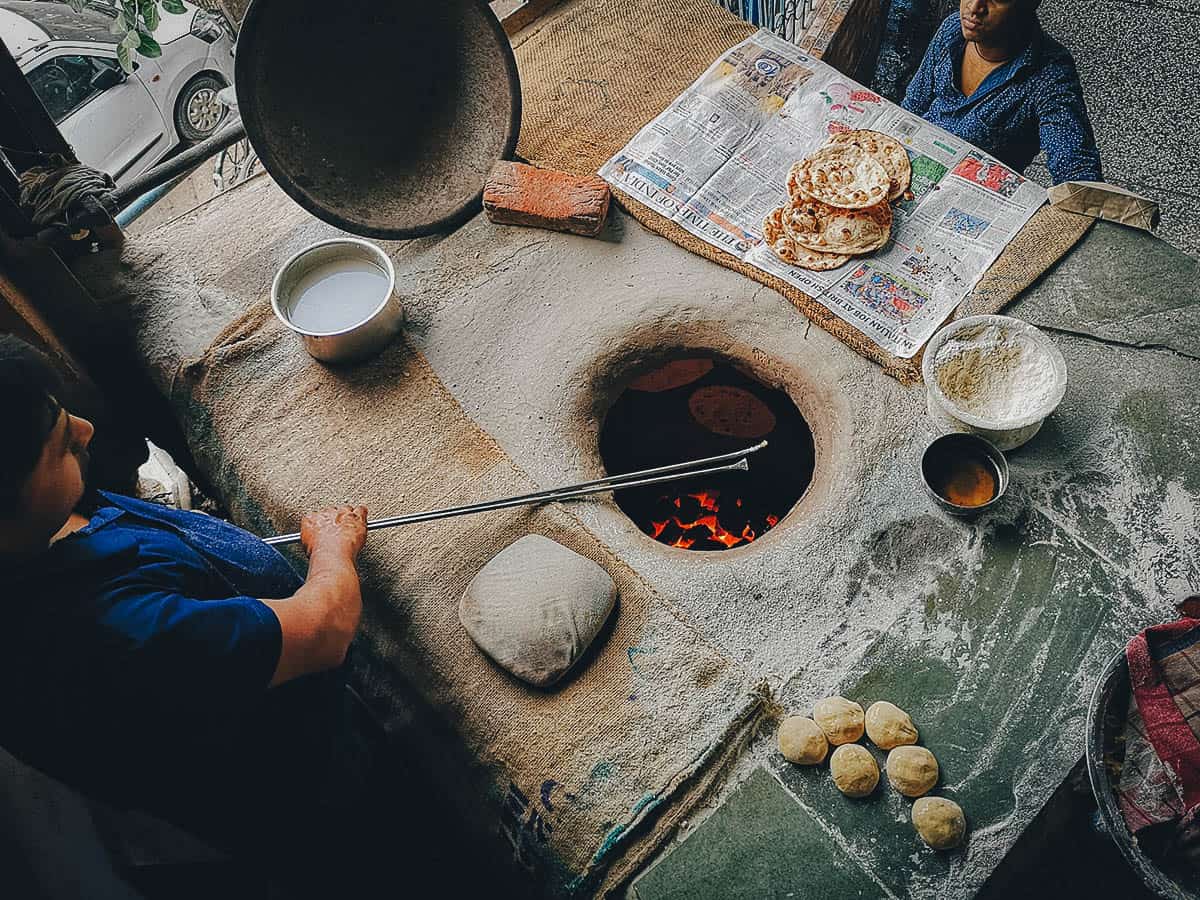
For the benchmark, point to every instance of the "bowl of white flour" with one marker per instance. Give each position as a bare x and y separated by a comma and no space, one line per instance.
995,376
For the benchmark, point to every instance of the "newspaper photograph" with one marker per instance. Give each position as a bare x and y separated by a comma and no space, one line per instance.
716,162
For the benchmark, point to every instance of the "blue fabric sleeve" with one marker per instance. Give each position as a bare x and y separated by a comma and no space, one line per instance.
919,95
191,658
1064,130
922,88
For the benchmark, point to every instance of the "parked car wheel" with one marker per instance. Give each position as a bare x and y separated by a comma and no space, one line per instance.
198,111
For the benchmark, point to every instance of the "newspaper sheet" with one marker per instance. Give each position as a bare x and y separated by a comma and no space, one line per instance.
715,162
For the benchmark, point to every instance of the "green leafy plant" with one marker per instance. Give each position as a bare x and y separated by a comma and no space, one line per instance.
135,22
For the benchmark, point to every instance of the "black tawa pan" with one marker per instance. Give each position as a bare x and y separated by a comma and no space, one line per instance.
382,118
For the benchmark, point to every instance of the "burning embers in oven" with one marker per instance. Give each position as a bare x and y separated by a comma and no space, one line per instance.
696,519
702,406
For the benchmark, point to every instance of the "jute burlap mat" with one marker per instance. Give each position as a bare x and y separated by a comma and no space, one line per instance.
586,779
593,73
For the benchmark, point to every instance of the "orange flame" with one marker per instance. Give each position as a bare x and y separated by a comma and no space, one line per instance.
717,532
707,519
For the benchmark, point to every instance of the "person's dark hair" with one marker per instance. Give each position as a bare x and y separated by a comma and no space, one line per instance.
29,409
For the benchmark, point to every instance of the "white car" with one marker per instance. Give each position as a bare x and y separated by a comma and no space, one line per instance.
121,124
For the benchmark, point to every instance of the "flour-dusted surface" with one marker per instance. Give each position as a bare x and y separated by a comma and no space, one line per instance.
995,373
989,633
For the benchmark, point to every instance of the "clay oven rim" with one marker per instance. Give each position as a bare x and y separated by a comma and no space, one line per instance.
612,374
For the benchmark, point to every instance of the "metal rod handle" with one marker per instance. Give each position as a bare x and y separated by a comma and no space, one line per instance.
548,496
616,480
180,164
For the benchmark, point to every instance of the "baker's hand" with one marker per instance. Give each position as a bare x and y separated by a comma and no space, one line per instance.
340,530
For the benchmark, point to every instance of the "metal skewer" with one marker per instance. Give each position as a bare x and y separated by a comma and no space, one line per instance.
673,472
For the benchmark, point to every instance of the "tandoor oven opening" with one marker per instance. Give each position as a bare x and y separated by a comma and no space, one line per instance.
699,405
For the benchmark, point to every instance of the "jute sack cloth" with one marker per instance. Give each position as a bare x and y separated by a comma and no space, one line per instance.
594,73
586,779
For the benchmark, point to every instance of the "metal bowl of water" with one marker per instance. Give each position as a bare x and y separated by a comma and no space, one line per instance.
340,297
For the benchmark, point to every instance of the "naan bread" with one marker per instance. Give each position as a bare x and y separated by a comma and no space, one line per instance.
674,374
731,411
792,253
831,229
841,175
885,150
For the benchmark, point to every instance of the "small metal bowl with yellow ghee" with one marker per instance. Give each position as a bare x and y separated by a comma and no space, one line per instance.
964,473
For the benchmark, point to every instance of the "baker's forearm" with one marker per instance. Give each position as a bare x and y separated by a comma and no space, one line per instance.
319,621
1065,131
333,586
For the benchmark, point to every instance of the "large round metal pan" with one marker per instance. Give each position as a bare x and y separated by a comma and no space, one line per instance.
382,118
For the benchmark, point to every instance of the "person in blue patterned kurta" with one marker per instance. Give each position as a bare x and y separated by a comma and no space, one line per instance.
169,662
993,77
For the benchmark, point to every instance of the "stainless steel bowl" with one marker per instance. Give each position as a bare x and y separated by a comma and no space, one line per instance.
355,342
948,415
964,444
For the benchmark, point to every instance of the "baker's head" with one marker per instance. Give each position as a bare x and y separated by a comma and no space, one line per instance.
43,450
997,22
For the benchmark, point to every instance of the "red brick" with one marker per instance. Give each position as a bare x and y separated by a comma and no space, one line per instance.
517,194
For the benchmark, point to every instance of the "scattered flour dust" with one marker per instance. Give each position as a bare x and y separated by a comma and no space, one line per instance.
994,373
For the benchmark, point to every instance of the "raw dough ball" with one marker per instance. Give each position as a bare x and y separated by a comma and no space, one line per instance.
840,719
801,741
854,770
913,771
939,822
889,726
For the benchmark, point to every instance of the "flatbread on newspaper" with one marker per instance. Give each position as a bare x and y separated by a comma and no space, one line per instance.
792,253
885,150
840,175
830,229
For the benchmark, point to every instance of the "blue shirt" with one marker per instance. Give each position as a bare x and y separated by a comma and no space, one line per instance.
1032,101
137,661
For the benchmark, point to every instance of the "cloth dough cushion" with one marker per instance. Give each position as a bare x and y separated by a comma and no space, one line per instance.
536,607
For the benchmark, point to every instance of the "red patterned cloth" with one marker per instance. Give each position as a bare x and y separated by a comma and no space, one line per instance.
1160,778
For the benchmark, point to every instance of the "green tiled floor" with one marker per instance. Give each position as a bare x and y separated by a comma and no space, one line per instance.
760,844
763,844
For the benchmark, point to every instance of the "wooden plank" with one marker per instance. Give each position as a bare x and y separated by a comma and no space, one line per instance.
14,221
18,316
527,12
854,44
24,123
